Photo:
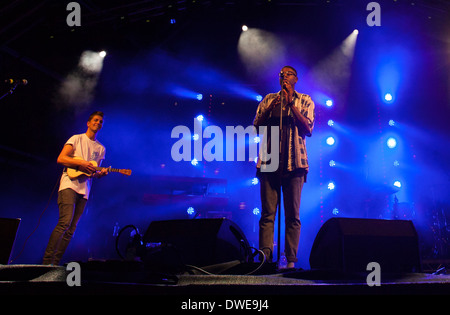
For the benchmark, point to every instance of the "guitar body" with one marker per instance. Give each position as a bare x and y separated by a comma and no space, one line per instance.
74,173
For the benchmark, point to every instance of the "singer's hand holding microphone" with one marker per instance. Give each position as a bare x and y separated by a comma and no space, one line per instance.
288,91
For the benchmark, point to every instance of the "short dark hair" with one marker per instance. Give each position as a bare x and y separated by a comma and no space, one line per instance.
292,68
96,113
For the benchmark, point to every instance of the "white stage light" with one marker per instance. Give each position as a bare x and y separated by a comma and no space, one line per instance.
330,141
391,143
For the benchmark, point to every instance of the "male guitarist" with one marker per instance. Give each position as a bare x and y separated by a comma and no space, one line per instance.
74,193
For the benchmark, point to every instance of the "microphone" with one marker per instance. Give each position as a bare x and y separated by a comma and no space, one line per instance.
17,82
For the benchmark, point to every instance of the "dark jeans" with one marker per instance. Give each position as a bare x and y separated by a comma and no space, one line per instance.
71,207
291,185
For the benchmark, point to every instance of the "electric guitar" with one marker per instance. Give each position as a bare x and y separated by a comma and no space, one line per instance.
74,173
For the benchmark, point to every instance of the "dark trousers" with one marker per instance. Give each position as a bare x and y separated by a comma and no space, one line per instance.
291,184
71,207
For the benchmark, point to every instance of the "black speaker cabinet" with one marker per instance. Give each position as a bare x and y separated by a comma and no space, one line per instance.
348,245
199,242
8,232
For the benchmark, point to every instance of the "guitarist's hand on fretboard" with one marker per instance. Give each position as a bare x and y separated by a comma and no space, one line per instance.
103,172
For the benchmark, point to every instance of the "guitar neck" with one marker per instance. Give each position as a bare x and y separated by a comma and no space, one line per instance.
110,169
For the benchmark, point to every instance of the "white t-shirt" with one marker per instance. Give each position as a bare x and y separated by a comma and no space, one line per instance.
88,150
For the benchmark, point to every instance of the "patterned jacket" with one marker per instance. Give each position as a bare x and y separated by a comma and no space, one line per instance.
297,155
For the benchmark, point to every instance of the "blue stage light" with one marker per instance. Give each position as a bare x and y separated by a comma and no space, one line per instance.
391,143
200,117
388,97
255,181
397,184
391,123
330,141
256,211
332,163
335,211
259,98
388,77
330,122
199,97
329,103
331,186
195,136
194,162
190,210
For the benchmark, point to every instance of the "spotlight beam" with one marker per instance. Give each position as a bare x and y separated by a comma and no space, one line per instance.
332,74
260,50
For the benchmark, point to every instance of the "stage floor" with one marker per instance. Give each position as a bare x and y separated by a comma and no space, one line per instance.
102,278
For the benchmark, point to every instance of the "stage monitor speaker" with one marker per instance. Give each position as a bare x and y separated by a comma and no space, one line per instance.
348,245
8,233
200,242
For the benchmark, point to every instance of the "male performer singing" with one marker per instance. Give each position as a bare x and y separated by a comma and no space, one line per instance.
74,193
297,121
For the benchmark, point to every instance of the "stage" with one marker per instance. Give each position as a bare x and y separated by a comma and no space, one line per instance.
121,278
